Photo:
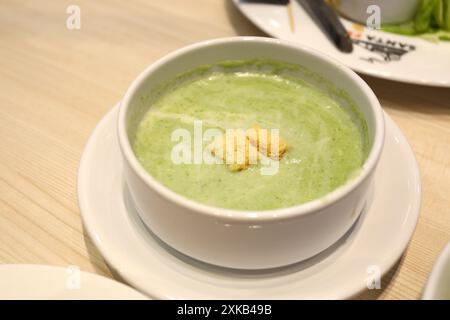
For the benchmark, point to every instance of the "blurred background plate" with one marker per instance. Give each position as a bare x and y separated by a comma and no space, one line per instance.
32,282
376,53
438,285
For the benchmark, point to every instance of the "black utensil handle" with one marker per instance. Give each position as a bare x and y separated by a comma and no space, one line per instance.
330,23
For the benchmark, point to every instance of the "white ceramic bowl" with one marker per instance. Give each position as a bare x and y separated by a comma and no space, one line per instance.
392,11
438,285
247,239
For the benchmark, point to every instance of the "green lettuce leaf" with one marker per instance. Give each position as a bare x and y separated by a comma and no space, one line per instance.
407,29
423,18
446,19
431,22
438,14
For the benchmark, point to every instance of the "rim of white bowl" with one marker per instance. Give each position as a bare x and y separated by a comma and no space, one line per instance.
434,283
253,215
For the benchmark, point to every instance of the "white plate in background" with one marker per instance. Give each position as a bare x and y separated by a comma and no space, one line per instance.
42,282
376,53
438,284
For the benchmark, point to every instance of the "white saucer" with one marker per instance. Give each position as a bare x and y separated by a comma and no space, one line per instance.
39,282
376,53
378,239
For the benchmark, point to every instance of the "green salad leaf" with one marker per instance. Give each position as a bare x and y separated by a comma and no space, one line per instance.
422,20
446,8
407,29
431,22
439,16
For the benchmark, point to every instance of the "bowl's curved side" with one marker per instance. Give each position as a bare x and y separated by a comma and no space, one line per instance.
247,244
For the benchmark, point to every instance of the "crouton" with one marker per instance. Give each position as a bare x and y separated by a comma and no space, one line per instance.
264,140
234,149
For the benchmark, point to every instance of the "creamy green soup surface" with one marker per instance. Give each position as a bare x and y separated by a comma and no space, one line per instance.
327,141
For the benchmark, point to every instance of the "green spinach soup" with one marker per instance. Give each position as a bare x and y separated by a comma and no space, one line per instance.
324,137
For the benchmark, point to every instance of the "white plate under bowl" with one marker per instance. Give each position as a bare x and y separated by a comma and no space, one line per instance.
373,245
42,282
376,53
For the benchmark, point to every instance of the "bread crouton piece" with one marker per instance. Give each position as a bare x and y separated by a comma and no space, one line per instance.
264,140
234,148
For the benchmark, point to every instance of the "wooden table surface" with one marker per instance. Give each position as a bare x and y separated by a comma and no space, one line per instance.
56,84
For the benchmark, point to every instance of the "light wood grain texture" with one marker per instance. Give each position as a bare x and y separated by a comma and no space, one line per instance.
56,84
